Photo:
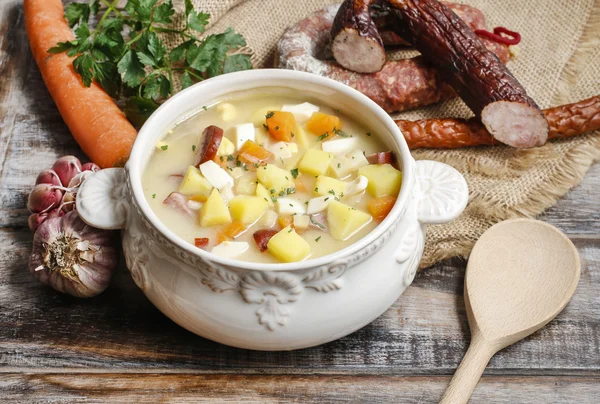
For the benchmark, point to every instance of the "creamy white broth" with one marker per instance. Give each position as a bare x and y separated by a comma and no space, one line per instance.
162,175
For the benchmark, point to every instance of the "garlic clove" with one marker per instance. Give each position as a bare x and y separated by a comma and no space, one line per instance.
67,167
44,197
48,177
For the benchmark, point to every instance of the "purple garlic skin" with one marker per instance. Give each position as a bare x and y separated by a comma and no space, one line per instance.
36,219
48,177
44,197
67,167
72,257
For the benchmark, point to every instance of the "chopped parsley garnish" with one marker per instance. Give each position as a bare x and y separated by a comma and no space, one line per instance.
319,225
153,196
193,147
165,147
340,132
291,205
222,158
331,191
339,165
255,165
238,163
323,136
269,114
290,191
368,133
276,127
204,108
272,191
294,172
281,193
229,158
266,199
317,239
273,198
290,230
317,189
292,133
265,126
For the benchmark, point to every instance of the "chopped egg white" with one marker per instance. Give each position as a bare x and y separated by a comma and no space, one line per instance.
316,205
230,249
357,186
340,146
301,111
217,176
287,206
242,133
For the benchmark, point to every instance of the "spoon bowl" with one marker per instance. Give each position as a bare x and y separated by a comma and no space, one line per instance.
520,275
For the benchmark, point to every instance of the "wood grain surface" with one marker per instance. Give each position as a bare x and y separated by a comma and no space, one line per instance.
117,347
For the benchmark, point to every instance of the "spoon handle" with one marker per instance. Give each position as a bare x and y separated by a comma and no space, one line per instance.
469,372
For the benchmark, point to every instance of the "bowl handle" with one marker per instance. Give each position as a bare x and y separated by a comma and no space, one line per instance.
101,200
441,192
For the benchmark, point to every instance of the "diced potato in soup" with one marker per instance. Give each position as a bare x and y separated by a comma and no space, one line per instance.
285,182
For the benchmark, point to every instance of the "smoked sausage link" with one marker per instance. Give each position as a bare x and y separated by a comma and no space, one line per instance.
211,141
563,121
401,84
476,74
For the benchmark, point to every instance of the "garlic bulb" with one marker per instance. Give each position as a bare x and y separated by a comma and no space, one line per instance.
56,188
68,255
72,257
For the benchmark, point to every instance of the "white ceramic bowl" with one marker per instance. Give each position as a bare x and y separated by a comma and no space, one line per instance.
273,306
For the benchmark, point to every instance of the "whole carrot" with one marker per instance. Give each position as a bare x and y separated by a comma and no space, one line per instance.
96,122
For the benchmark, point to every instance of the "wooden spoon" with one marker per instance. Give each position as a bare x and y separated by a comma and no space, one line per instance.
520,275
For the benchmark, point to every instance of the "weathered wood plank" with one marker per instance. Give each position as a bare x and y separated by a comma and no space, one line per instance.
425,332
92,388
578,212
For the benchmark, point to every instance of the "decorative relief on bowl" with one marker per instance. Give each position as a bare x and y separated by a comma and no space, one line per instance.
271,291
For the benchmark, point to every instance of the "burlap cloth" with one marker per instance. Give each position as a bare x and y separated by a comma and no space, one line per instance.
558,62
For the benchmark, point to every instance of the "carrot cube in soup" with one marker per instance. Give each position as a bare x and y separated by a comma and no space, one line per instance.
281,125
380,207
285,220
320,124
252,153
230,231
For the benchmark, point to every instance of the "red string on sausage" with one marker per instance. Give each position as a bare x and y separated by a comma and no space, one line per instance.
513,37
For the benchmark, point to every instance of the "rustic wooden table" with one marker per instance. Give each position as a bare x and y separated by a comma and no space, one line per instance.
118,347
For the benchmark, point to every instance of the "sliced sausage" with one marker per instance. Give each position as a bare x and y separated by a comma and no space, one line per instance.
201,242
211,140
178,201
386,157
564,121
399,86
476,74
356,43
262,237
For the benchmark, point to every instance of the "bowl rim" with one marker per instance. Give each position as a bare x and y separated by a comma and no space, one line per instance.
262,77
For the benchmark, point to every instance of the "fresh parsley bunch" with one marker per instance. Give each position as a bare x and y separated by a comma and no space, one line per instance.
126,56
